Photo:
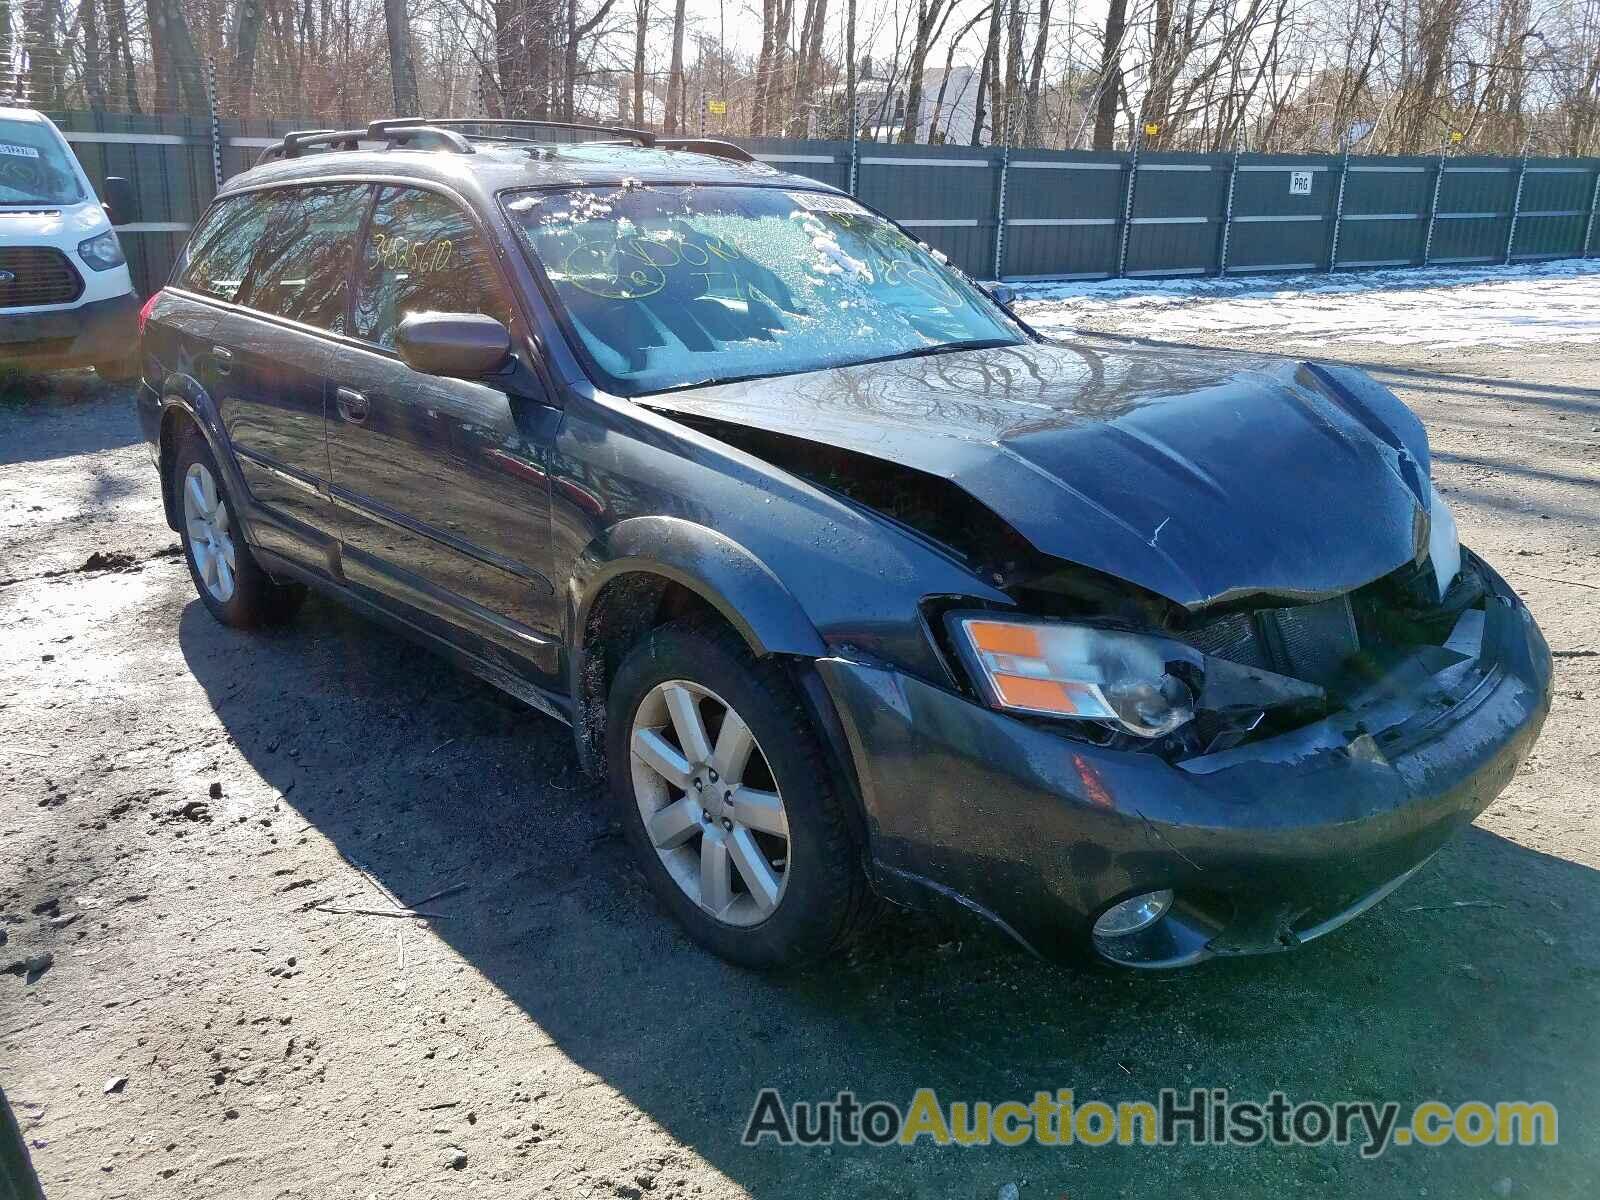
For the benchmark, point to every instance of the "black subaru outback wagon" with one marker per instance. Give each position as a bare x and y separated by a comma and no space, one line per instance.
846,580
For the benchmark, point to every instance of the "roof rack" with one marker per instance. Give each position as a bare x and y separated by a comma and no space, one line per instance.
421,133
643,137
713,146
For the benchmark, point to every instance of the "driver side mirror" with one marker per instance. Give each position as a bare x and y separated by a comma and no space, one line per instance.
1001,294
455,345
119,200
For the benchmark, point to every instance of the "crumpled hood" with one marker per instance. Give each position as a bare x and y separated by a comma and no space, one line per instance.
1200,476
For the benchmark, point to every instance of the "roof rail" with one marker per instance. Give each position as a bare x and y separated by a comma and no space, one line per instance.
713,146
421,133
414,135
643,137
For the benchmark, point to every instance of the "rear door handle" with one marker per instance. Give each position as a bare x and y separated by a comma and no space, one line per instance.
352,405
224,358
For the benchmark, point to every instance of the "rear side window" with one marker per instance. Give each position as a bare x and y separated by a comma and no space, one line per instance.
302,269
219,254
422,254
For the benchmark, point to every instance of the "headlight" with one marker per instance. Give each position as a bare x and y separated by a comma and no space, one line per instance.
1444,543
1055,669
102,252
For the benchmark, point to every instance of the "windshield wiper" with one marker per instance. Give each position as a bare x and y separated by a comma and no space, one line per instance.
944,348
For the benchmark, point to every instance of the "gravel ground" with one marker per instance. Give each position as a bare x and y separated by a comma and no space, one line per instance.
179,801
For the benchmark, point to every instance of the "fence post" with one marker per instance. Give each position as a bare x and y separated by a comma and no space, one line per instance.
1127,209
216,128
1594,203
1433,209
1516,204
1227,216
1338,209
1000,216
855,128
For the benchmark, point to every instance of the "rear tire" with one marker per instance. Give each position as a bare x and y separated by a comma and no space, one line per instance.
780,883
229,581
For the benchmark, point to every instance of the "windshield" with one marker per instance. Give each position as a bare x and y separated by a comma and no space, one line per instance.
667,287
34,166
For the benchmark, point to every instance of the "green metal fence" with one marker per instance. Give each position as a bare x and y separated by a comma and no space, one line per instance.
1029,214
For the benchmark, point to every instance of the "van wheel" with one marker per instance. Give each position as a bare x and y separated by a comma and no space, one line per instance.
229,581
726,800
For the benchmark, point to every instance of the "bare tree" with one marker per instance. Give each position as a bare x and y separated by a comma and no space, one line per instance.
675,85
1110,88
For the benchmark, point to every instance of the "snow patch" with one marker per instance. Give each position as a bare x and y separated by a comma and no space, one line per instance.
1521,305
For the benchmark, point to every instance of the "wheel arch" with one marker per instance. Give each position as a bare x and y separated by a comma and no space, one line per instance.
648,570
184,404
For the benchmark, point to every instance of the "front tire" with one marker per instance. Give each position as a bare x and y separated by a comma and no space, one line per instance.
724,794
229,581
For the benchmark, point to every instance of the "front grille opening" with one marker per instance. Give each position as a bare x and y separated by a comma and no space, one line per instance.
1343,643
39,275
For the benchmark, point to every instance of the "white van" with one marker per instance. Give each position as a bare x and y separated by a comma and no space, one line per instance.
66,299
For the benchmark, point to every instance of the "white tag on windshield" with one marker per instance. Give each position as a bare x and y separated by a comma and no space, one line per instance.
18,151
825,202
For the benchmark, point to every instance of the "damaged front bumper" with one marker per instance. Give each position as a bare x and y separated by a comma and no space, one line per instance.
1264,846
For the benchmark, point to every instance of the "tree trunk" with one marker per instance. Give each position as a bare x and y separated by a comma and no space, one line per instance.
777,119
989,85
179,84
402,67
850,64
509,58
1013,70
1030,118
927,13
1157,107
641,25
763,80
1110,86
94,76
675,80
246,34
808,66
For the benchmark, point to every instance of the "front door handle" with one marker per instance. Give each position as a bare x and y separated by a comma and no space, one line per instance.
224,358
352,405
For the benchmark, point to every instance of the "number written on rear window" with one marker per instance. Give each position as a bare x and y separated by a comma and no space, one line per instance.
422,254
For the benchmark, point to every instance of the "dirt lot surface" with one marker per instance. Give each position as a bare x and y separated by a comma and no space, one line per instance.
177,800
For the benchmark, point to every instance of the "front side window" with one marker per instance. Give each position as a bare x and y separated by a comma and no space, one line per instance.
35,168
667,287
302,268
422,254
219,253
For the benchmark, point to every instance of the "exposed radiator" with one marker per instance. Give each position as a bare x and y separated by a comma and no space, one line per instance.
1309,641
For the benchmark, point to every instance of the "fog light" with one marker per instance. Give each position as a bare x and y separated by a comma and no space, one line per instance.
1133,914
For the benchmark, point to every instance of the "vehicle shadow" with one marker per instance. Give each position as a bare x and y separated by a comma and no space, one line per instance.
1476,980
83,414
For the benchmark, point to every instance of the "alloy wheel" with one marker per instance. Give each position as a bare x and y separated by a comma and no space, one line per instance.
709,803
205,517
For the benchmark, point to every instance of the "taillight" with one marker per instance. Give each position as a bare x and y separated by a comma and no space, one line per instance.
144,313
